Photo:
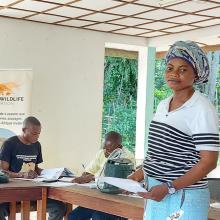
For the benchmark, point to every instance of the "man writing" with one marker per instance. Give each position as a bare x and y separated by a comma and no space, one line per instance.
113,140
20,156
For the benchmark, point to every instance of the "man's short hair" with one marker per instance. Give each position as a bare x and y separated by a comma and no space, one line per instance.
31,120
114,136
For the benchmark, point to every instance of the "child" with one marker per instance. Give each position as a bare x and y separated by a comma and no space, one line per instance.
183,141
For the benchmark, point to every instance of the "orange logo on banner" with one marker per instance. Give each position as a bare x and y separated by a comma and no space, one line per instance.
7,88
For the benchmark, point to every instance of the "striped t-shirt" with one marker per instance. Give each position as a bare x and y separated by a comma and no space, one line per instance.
177,137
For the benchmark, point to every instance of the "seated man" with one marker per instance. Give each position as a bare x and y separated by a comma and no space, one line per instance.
20,156
112,141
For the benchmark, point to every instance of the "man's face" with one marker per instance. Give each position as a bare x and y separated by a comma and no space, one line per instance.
109,146
32,133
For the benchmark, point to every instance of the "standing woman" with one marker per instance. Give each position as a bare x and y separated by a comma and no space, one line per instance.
183,141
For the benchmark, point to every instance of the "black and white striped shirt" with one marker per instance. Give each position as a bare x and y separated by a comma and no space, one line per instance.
176,138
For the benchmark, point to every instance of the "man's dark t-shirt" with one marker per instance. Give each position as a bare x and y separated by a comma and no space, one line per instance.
16,153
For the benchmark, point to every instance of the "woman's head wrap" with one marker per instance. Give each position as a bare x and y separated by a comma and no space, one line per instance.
194,55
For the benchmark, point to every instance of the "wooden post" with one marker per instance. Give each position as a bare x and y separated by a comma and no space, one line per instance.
145,98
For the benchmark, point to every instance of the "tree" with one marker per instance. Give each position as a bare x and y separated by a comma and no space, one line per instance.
120,96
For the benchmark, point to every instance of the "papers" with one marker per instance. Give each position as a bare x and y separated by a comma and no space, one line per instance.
67,172
67,179
91,185
131,195
126,184
59,184
38,179
53,174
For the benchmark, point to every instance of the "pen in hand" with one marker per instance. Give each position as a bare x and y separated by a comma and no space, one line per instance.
83,166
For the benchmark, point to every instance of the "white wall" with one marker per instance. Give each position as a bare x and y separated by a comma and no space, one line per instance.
67,88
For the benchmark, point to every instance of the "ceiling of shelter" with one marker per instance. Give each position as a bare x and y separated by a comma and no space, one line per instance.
141,18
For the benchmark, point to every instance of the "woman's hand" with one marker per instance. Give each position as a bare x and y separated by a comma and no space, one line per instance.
138,175
156,193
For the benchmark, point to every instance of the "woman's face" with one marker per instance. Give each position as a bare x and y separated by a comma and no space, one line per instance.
179,75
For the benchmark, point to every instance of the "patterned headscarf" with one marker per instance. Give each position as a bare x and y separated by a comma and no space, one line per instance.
194,55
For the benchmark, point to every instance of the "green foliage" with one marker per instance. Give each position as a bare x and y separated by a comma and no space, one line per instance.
120,96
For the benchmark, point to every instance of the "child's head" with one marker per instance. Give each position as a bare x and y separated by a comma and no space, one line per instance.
186,64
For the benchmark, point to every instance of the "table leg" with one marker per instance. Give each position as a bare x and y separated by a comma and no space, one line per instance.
69,208
41,205
12,211
25,210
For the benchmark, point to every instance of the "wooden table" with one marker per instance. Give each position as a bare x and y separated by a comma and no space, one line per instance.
214,214
24,192
128,207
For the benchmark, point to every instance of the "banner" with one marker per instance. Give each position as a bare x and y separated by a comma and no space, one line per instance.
15,97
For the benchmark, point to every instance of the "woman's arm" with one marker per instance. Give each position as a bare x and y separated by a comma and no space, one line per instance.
138,175
206,164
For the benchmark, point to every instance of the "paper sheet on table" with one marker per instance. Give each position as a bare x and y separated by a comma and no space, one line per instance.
66,179
126,184
59,184
91,185
38,179
134,195
53,173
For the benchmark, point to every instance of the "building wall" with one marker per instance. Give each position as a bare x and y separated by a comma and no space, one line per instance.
68,66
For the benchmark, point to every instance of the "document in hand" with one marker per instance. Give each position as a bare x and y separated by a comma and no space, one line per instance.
126,184
55,173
